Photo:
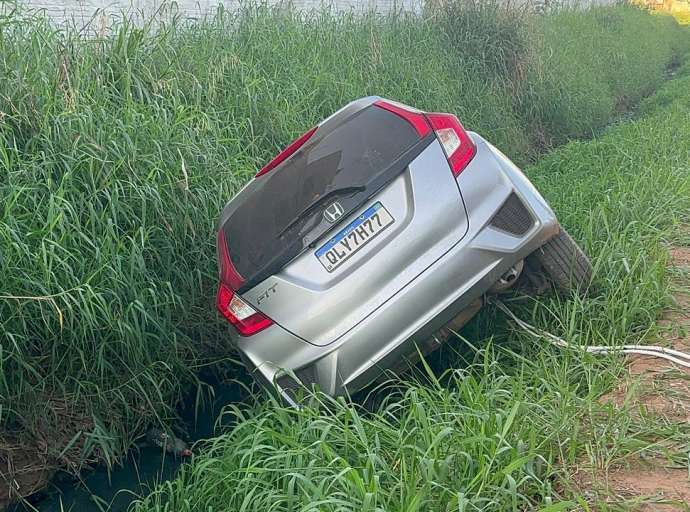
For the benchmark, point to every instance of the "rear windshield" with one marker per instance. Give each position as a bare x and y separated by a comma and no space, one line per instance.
265,229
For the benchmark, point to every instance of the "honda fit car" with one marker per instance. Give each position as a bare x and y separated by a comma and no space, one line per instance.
370,238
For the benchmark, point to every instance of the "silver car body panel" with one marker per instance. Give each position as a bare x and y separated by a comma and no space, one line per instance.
354,331
320,306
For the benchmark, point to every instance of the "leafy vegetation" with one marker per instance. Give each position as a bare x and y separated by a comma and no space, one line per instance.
119,147
512,417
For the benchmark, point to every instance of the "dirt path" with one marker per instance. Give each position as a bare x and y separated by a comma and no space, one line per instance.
656,394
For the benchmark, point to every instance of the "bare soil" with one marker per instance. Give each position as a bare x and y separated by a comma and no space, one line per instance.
661,390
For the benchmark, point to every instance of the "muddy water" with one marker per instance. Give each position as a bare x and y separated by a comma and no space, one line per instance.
143,468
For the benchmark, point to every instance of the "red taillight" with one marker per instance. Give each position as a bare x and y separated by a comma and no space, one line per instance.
415,118
286,153
227,272
459,148
245,318
456,143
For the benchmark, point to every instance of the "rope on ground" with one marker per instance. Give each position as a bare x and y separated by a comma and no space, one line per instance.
675,356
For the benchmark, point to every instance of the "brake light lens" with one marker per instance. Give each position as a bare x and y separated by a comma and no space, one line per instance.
286,153
414,117
226,270
245,318
459,148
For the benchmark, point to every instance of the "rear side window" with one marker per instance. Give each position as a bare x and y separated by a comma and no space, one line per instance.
350,154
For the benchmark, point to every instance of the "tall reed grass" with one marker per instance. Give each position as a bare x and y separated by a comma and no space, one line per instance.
119,148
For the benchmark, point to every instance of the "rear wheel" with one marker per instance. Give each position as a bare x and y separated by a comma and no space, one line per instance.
563,263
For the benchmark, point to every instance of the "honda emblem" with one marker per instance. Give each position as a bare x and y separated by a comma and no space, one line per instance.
333,212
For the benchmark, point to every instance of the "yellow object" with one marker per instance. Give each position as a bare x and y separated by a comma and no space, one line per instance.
680,9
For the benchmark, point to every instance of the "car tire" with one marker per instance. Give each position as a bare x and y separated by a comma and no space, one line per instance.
564,263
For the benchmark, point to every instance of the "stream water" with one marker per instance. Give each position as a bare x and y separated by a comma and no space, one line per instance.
98,490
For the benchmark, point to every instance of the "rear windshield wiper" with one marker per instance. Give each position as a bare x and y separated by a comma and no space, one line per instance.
304,214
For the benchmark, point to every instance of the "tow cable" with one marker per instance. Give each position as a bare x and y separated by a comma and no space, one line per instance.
675,356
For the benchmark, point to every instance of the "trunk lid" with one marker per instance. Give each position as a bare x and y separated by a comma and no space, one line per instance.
363,159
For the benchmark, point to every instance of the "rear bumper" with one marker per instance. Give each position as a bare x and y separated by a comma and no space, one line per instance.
447,287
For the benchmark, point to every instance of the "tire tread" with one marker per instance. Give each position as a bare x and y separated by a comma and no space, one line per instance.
565,263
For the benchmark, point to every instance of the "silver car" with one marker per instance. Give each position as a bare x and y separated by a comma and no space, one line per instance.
372,237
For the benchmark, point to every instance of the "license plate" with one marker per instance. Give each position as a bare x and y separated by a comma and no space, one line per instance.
353,237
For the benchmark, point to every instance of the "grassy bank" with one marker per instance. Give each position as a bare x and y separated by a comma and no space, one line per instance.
504,427
118,148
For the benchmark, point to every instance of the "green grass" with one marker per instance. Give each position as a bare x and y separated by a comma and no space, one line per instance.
512,418
119,149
